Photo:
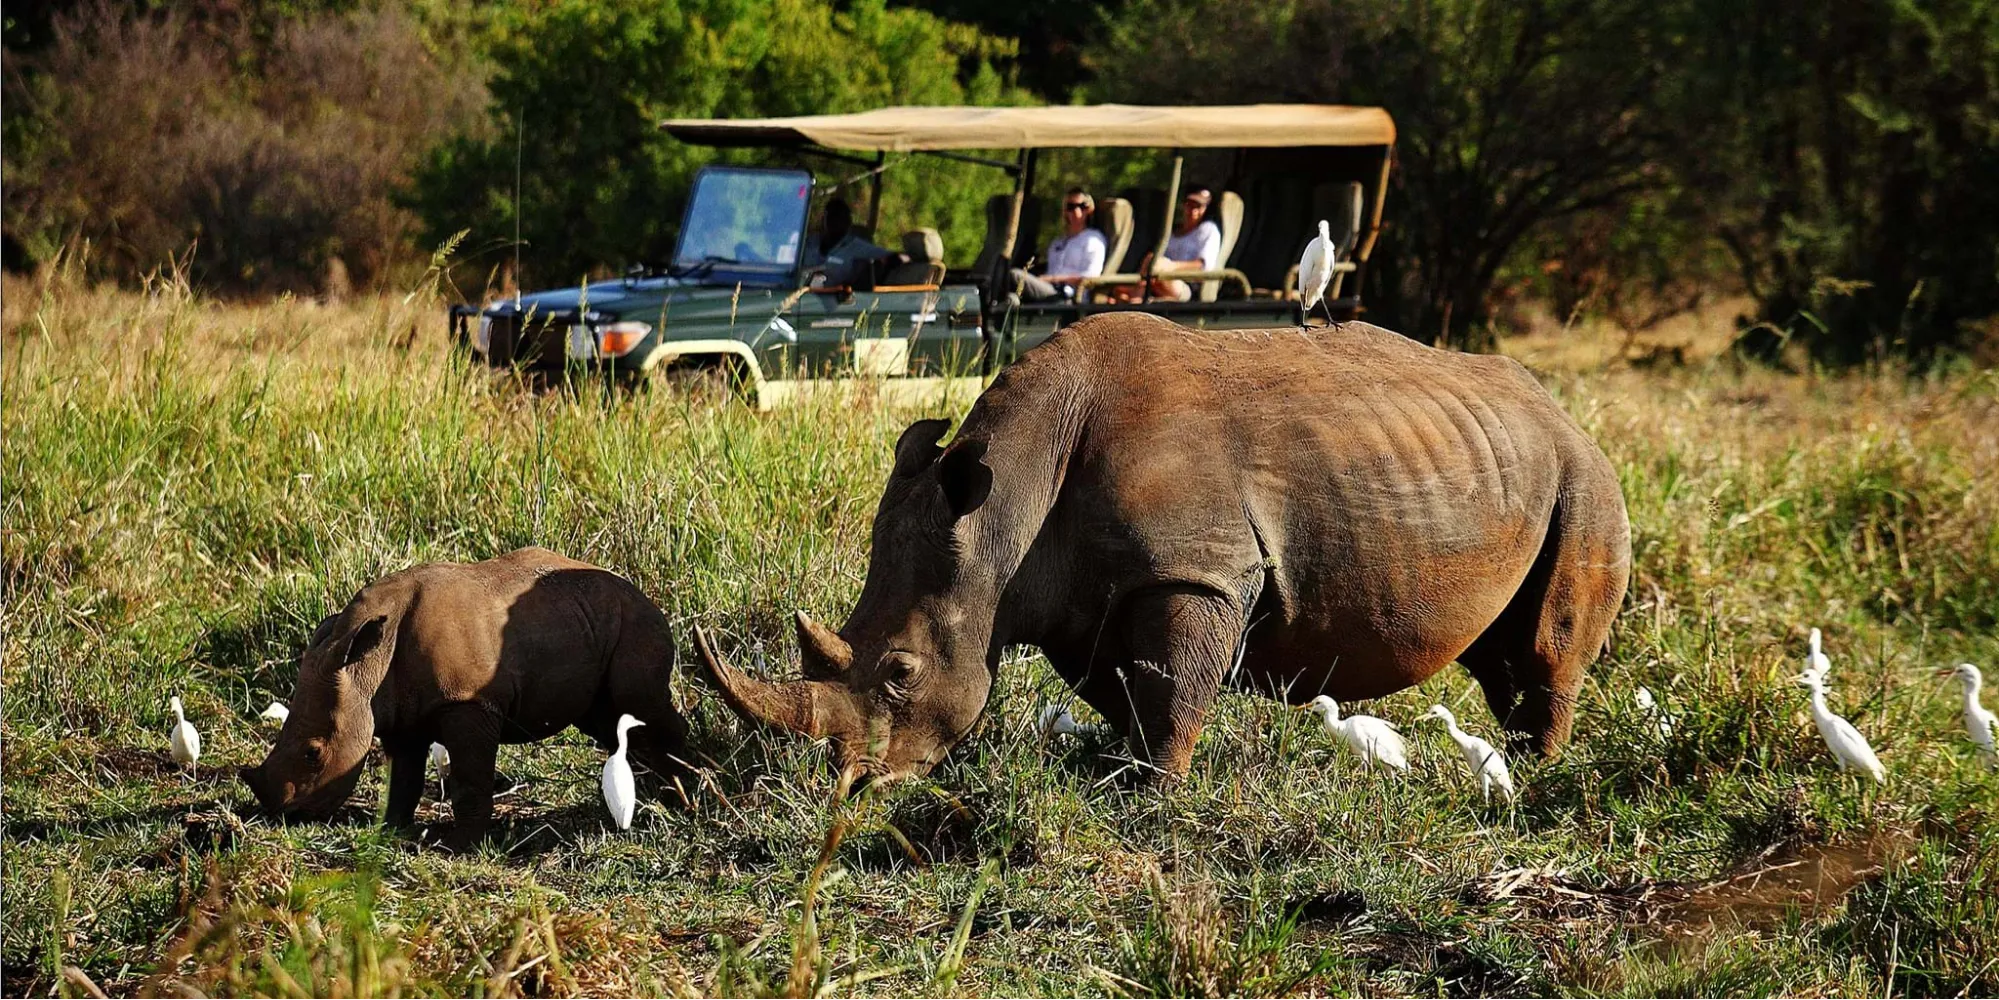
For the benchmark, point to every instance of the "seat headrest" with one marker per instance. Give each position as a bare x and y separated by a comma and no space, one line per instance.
923,244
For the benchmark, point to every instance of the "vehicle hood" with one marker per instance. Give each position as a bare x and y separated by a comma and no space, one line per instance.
605,296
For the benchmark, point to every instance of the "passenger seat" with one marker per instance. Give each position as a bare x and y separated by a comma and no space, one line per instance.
1117,222
922,267
1228,216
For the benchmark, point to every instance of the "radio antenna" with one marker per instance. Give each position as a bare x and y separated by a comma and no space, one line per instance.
520,130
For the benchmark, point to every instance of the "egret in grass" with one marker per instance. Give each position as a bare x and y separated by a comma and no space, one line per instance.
440,758
1374,739
1650,706
1486,762
1979,722
1841,738
1817,662
185,742
1056,721
1315,269
276,712
620,790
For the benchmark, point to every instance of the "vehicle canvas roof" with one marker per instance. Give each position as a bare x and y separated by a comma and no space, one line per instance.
942,128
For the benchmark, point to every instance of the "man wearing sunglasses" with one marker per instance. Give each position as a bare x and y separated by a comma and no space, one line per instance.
1076,254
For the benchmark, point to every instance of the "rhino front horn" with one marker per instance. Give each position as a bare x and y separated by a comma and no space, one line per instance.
792,706
823,655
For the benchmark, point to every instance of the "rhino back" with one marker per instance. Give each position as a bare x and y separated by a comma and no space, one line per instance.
529,634
1396,494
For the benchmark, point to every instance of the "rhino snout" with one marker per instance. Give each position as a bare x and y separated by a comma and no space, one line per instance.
260,786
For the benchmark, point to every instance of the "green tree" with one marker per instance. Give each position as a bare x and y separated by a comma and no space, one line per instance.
1851,167
581,87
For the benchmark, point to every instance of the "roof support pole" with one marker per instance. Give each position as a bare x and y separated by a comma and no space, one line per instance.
875,197
1023,179
1166,227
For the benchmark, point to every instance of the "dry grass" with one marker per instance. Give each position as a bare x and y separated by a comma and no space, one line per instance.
192,485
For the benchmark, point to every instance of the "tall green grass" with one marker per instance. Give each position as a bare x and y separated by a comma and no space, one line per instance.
191,486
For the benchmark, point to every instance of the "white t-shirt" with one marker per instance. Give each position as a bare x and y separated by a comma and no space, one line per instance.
1203,243
1081,254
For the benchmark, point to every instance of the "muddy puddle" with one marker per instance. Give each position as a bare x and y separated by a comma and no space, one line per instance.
1807,879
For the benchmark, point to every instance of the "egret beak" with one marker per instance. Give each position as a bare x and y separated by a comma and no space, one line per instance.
1950,672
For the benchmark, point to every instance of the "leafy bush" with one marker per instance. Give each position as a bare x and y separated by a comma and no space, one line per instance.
271,148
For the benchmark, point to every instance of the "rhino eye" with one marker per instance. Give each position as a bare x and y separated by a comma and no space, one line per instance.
900,672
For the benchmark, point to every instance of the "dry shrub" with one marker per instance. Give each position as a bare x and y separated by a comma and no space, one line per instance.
336,936
276,154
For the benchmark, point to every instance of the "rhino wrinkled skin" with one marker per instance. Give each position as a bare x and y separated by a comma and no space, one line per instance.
471,655
1163,511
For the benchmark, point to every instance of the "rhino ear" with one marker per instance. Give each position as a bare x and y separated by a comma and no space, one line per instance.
364,640
917,447
966,479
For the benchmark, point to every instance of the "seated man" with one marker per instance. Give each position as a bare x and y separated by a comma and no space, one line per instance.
843,256
1196,245
1076,254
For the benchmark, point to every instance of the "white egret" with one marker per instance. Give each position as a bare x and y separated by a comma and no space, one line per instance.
1484,759
620,790
1817,663
1374,739
1979,722
1650,706
440,758
186,743
1841,738
1056,721
1315,269
276,712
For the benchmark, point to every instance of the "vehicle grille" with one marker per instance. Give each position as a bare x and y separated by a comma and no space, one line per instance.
539,343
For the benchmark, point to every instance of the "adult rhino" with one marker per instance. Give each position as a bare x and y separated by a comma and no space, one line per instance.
1161,510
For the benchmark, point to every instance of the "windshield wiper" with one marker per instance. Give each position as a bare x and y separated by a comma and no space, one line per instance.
703,266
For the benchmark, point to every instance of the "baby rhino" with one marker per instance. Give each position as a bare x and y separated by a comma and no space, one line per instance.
471,655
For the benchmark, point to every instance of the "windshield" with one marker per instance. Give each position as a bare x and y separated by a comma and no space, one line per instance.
739,217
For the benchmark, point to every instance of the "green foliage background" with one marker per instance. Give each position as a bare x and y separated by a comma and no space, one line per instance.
602,185
1621,158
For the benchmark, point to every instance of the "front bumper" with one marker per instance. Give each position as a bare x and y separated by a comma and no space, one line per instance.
506,337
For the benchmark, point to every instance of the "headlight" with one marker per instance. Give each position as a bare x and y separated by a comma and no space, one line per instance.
618,339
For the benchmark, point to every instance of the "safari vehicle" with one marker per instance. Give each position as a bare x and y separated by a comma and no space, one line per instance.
739,295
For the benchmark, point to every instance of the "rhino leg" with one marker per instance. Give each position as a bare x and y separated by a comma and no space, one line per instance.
639,683
1177,644
1532,659
472,735
406,766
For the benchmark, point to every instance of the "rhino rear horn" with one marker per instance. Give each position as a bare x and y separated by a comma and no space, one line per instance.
823,655
793,706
